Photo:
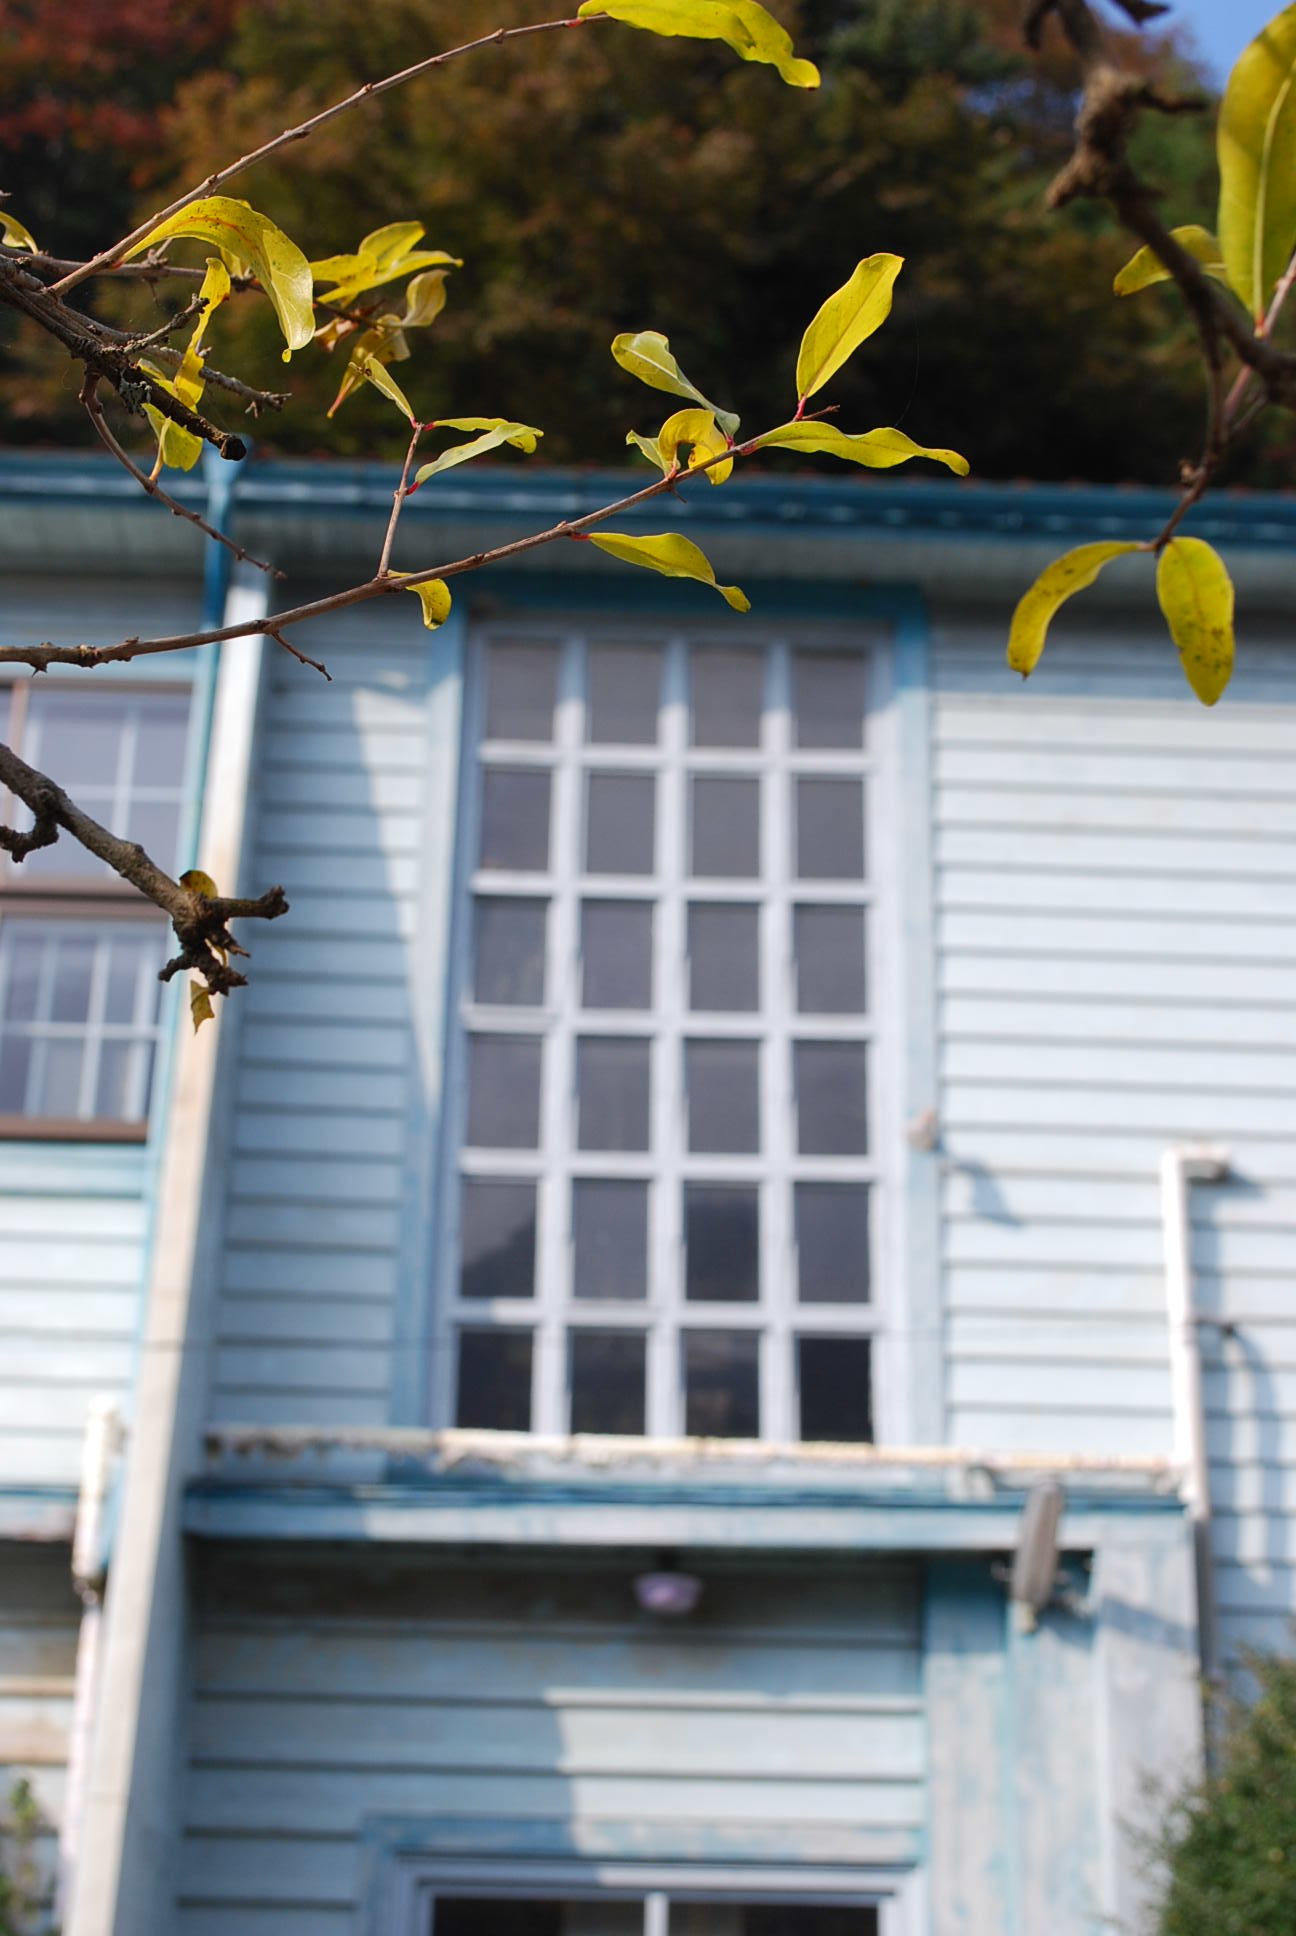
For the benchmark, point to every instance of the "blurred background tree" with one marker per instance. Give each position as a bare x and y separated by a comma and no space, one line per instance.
591,191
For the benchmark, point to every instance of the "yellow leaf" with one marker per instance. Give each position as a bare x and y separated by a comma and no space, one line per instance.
1144,268
495,432
878,449
179,449
646,353
383,255
847,319
673,556
434,597
698,431
425,298
255,244
1256,145
649,447
373,372
14,234
200,1005
1037,609
743,25
1195,593
199,883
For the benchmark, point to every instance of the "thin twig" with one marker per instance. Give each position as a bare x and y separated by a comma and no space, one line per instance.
134,344
305,659
398,499
108,258
94,409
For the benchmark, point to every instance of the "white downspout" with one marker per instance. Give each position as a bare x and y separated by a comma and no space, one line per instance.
1181,1166
99,1449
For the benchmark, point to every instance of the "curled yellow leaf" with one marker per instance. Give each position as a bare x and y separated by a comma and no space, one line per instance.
744,25
879,450
373,372
1256,147
647,354
383,255
495,431
434,596
648,447
200,1005
256,245
199,883
1037,609
673,556
848,318
1145,268
1195,594
697,432
14,234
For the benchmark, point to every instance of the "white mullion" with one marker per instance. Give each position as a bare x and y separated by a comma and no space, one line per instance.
776,1252
92,1040
558,1060
669,1133
41,1025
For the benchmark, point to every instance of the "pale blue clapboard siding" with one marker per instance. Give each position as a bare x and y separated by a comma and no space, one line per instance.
786,1714
1116,894
39,1618
315,1181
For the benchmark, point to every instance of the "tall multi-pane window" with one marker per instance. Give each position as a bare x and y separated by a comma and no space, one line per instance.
79,948
663,1190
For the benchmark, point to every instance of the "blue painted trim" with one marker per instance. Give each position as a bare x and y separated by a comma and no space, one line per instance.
922,1315
1264,521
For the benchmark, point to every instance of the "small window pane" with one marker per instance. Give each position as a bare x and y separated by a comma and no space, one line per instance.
70,990
517,1916
616,954
79,738
515,819
504,1091
494,1380
163,732
828,690
830,830
156,826
15,1067
829,960
610,1239
726,697
612,1078
607,1381
724,958
61,1077
721,1243
118,1080
521,686
509,952
619,823
721,1384
26,956
624,689
832,1107
832,1236
836,1398
127,958
497,1235
726,828
722,1080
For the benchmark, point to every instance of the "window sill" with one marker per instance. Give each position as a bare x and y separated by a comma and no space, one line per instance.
70,1129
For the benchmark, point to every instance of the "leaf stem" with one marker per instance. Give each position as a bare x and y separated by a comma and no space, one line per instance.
398,499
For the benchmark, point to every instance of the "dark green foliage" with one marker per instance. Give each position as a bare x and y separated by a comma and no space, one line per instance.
1230,1844
21,1899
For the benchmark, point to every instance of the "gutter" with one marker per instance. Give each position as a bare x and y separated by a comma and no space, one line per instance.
1182,1165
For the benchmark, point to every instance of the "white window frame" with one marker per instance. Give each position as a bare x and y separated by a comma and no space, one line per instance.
897,1894
553,1313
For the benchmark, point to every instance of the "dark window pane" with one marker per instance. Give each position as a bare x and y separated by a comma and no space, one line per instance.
521,685
831,1094
726,828
828,698
15,1066
25,948
495,1380
607,1381
504,1091
612,1093
610,1239
829,943
721,1243
163,731
797,1919
497,1234
509,951
724,958
726,697
70,992
722,1080
619,823
836,1397
117,1072
518,1916
830,830
721,1384
125,960
832,1238
624,687
515,818
616,954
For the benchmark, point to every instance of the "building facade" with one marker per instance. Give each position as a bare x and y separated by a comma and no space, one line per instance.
761,1102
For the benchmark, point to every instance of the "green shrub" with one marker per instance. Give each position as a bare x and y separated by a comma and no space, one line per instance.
22,1899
